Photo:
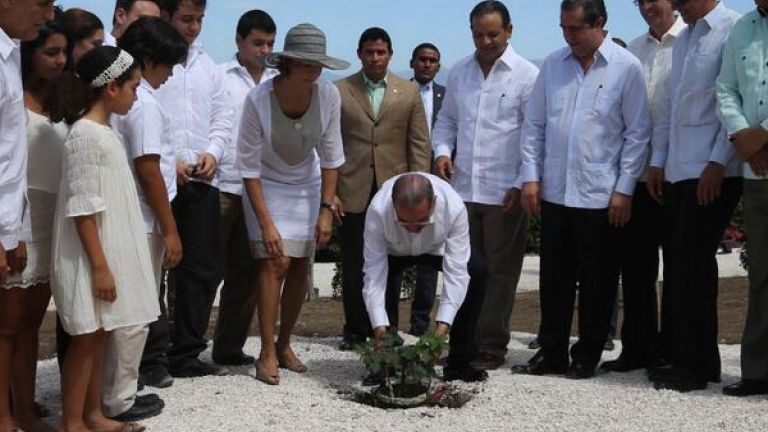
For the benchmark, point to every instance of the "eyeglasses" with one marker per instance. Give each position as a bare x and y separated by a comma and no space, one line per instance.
419,224
644,2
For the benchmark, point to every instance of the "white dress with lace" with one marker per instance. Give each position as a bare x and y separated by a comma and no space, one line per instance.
45,141
97,180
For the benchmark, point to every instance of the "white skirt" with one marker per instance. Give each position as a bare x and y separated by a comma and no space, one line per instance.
294,210
42,206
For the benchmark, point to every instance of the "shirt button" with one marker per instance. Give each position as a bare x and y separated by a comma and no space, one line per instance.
761,102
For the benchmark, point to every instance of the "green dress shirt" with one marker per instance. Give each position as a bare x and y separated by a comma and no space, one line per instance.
742,87
375,93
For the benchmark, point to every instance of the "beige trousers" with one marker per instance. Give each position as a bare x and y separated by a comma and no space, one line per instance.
122,353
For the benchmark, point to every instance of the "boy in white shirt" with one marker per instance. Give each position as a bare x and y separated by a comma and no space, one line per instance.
195,100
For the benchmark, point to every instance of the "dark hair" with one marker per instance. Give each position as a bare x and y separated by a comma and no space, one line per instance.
421,46
127,5
171,6
151,38
488,7
78,24
72,96
28,47
374,34
255,20
593,9
620,42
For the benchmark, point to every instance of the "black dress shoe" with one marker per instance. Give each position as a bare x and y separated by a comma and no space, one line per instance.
148,400
580,371
622,364
157,377
662,372
466,373
540,365
138,412
350,342
239,359
534,344
198,368
682,383
746,387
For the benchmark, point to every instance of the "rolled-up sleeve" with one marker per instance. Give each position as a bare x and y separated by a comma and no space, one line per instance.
85,162
250,141
455,271
331,150
533,132
637,131
375,269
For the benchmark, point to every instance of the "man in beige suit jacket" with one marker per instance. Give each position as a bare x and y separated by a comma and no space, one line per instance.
384,130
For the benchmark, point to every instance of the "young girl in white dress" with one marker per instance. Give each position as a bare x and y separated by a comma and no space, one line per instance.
102,275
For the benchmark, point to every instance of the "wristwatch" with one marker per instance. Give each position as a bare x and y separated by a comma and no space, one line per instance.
328,206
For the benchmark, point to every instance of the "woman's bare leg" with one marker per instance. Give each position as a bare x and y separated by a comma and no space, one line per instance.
291,302
271,274
24,361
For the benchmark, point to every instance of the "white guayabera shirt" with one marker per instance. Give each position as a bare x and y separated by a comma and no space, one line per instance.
447,235
586,135
481,119
656,57
687,134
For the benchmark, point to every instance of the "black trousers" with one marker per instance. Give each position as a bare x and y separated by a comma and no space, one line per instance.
155,353
578,246
640,241
196,210
357,324
692,234
423,298
463,346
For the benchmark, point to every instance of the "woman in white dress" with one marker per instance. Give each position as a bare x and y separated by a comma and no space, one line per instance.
102,275
289,150
42,62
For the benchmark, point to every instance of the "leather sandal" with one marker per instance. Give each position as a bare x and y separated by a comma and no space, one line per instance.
264,377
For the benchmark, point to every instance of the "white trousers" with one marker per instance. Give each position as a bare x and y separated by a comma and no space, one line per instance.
124,348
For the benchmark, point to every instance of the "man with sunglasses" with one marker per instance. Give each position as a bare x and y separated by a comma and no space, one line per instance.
695,173
418,219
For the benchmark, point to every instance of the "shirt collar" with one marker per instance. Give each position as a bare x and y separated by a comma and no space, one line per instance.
507,58
672,33
233,64
716,17
147,86
372,85
428,85
605,50
7,45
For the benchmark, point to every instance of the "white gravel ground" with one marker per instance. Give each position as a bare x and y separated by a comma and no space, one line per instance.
507,402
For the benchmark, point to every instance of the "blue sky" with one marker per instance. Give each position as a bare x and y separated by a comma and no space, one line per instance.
409,22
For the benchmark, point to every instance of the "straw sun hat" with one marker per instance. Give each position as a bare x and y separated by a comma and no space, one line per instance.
305,42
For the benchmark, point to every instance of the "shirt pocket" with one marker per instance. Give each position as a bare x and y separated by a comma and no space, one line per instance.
607,102
508,107
598,178
557,101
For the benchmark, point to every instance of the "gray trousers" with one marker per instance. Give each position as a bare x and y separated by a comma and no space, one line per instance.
237,303
124,347
501,239
754,345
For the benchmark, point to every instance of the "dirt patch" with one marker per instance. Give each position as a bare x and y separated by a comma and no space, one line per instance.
324,318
